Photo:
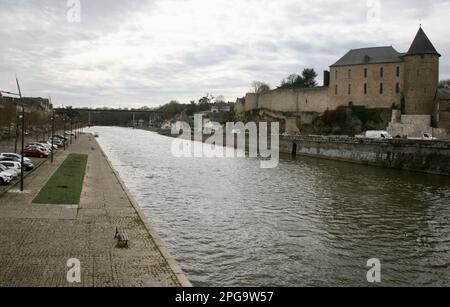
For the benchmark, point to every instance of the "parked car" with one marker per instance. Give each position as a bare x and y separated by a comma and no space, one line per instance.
12,166
50,144
33,151
4,178
372,134
57,142
27,166
10,173
14,155
43,145
40,147
61,137
424,137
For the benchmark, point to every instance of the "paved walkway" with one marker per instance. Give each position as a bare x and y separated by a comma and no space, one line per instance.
37,240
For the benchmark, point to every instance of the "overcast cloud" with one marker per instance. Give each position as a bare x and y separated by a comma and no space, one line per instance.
145,53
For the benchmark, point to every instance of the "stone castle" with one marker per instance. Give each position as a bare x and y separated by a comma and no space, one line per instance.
379,77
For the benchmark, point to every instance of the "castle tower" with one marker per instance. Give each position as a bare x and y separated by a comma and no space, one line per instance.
421,76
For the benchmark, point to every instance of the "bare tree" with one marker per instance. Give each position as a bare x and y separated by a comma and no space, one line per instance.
260,87
444,83
220,99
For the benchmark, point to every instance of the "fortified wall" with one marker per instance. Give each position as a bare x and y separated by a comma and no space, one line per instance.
287,101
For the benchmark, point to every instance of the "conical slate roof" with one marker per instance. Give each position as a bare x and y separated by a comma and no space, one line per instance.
422,45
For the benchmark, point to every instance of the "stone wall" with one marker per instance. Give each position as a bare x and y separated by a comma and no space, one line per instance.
423,156
296,100
286,101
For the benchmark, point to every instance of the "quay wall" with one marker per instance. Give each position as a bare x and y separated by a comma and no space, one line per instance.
422,156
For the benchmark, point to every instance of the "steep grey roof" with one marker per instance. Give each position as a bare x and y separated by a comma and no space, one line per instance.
422,45
443,93
376,55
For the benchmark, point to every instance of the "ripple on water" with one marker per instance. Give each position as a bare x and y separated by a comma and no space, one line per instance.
308,222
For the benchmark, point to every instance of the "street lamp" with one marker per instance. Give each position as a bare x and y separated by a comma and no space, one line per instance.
23,136
53,134
64,133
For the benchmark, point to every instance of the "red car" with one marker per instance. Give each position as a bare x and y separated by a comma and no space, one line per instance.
35,152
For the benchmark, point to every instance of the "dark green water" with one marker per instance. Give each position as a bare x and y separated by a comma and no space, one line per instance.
309,222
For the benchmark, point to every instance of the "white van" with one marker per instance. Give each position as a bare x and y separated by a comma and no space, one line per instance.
424,137
373,134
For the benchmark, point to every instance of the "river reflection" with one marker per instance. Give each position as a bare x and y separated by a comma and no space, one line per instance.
309,222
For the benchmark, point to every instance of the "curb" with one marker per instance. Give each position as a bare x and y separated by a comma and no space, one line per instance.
174,266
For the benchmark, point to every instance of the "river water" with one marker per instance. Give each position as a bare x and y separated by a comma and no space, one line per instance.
309,222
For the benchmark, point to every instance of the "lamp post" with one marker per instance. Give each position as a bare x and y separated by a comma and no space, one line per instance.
17,131
64,134
71,132
53,133
23,135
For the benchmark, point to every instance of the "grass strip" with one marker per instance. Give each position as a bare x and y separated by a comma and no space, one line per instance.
64,187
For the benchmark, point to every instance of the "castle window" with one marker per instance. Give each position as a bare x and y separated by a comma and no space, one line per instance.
365,72
349,73
397,88
381,88
381,72
365,88
398,71
336,90
349,89
336,74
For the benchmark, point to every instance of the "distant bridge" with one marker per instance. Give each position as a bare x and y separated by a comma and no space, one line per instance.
115,117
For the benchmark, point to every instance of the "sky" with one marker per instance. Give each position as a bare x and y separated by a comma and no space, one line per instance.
135,53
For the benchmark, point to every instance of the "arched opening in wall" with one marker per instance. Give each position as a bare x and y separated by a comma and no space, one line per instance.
294,149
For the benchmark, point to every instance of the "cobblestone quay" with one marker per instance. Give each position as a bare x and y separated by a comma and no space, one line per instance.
37,241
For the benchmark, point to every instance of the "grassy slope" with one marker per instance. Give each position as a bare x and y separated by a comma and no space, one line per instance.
64,187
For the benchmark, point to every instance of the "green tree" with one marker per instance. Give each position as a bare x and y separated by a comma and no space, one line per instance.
306,80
